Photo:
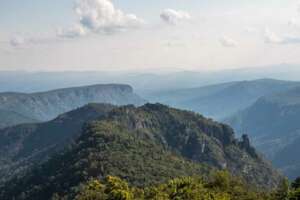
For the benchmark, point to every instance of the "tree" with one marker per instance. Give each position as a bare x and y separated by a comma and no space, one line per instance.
221,180
296,183
295,195
93,190
282,192
117,189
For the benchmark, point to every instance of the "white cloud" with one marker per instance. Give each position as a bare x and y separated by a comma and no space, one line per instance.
228,42
24,40
273,38
75,31
172,17
294,22
98,16
101,16
17,41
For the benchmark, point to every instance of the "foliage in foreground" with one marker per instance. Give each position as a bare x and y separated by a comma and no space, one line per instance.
221,186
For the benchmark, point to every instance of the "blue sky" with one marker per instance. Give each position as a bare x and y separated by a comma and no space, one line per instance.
34,14
156,34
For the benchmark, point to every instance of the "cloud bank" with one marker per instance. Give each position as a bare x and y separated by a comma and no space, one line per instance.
273,38
17,41
228,42
73,32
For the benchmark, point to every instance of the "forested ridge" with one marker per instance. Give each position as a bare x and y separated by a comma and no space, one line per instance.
150,152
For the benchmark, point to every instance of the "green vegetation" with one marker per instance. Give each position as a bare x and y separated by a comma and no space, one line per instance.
24,145
219,186
146,147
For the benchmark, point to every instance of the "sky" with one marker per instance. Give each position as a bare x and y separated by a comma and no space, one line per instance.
59,35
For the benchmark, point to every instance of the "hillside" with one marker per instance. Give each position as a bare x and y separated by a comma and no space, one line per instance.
9,118
273,124
44,106
221,100
287,159
144,145
24,145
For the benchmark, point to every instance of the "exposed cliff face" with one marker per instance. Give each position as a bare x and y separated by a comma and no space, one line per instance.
48,105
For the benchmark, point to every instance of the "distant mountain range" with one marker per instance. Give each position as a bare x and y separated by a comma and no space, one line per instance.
222,100
273,123
17,108
266,109
143,145
144,82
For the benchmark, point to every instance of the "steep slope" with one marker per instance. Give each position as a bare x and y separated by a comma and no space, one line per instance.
145,145
222,100
273,123
23,145
287,159
45,106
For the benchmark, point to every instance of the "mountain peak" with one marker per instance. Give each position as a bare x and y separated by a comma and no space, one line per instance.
144,145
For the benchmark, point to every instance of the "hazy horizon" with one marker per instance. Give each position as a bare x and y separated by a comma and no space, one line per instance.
158,71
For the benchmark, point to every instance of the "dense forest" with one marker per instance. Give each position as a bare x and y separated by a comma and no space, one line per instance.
149,148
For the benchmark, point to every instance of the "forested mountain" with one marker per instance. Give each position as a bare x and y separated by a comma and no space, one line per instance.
221,100
273,123
144,145
17,108
24,145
